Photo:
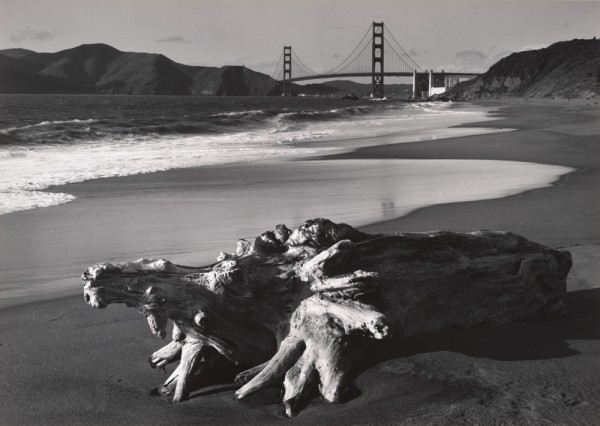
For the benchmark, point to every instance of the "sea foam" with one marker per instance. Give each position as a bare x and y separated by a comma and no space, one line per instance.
29,168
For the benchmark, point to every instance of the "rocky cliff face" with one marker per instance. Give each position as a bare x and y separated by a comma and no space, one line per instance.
102,69
569,69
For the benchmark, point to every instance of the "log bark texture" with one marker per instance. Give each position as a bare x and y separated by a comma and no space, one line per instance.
301,307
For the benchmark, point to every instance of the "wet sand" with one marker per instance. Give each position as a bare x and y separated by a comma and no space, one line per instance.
67,364
564,214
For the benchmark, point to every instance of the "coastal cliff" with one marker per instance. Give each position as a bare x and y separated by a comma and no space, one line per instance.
102,69
568,69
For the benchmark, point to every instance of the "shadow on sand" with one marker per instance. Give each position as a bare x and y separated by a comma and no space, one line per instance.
524,340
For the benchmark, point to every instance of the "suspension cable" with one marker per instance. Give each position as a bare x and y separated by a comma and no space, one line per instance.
353,57
303,72
403,61
338,69
275,75
302,64
351,53
412,60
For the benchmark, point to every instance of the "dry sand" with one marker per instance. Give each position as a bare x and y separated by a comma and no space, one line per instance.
66,364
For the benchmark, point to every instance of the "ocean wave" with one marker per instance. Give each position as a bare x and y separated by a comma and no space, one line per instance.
275,120
332,114
47,123
55,152
239,113
28,170
436,108
19,200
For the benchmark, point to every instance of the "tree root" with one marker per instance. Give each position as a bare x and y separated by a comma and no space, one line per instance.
326,338
302,306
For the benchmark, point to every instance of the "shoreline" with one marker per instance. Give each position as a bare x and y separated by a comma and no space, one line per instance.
531,141
110,157
70,364
122,217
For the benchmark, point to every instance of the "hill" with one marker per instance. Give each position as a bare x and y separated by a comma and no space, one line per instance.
364,89
568,69
102,69
16,53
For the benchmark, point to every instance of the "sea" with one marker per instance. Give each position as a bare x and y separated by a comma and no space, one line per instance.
257,161
48,140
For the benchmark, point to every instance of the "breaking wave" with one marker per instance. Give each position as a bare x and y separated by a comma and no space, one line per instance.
124,138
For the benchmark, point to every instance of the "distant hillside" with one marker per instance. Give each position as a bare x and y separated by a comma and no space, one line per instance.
16,53
569,69
315,89
364,89
99,68
102,69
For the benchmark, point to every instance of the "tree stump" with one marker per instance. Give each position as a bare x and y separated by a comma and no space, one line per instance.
301,307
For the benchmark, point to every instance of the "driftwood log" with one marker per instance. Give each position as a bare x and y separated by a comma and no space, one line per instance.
301,307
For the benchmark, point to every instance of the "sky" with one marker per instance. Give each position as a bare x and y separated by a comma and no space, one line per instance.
455,35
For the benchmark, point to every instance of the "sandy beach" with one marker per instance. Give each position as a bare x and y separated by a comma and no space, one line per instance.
65,363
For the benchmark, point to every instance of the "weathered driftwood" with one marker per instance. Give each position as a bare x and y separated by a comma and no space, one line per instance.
301,307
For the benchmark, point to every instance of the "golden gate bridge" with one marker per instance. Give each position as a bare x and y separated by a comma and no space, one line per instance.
377,55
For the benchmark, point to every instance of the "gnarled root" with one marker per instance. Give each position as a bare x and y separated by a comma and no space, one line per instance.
325,340
169,353
331,290
247,375
201,365
165,355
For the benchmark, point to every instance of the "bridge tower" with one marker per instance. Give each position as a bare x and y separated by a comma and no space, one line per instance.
377,70
286,89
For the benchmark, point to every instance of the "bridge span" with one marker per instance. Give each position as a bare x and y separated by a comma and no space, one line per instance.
377,55
385,74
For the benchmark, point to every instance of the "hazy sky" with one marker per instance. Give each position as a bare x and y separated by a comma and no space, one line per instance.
450,34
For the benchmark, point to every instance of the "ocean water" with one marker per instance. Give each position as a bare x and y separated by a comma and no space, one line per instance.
48,140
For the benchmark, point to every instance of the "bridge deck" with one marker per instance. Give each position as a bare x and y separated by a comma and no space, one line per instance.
385,74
